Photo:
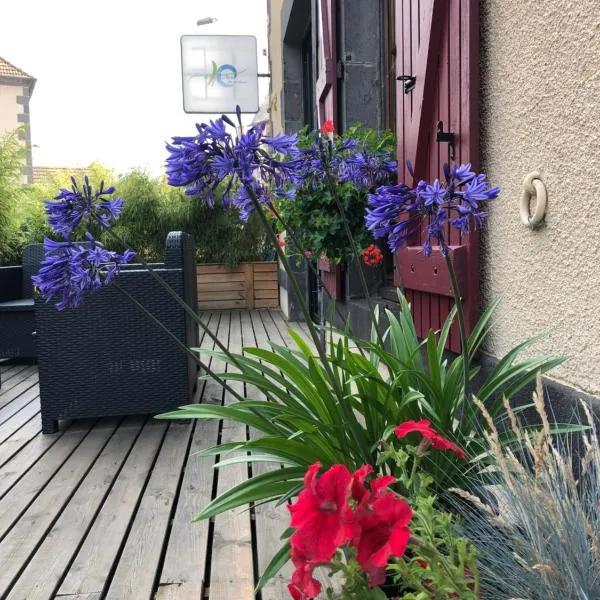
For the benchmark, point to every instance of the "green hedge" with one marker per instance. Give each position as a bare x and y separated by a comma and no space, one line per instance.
152,209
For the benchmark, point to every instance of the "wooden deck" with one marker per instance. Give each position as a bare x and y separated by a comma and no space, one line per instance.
103,509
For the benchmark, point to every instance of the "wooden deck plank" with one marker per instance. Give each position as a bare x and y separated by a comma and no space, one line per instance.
19,439
136,572
19,412
19,484
21,540
13,374
95,559
112,519
182,576
6,397
232,542
46,568
271,521
80,597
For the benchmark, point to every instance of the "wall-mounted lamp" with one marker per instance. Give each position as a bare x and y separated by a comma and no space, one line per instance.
206,21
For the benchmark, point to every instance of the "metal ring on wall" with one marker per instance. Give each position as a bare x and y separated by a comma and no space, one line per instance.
533,186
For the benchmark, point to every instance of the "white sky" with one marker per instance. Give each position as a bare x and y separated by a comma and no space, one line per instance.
109,73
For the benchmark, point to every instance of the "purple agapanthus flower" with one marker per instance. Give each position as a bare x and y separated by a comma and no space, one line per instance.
343,160
69,270
247,162
78,205
366,169
397,211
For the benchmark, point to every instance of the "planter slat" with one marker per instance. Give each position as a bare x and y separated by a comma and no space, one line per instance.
249,285
221,286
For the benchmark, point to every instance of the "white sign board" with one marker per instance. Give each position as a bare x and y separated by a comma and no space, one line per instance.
219,72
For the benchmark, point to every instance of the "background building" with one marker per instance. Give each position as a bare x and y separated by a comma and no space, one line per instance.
16,88
517,88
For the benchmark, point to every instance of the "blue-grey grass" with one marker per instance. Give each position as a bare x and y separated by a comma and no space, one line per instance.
536,522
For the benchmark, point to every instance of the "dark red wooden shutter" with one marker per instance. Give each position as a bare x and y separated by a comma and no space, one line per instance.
437,41
326,91
326,85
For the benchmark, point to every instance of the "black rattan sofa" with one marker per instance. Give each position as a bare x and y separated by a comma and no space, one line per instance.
17,310
107,358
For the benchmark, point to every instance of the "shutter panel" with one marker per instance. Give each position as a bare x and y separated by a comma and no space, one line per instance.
326,84
437,41
326,92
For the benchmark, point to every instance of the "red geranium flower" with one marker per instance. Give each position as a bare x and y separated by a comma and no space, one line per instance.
327,126
339,508
318,514
384,533
358,489
303,586
372,255
438,441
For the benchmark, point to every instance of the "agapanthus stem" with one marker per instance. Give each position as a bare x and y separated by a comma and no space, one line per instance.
335,385
179,343
296,288
461,324
188,309
363,279
312,268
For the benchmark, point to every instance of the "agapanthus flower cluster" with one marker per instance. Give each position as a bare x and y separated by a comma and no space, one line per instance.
247,163
339,509
341,160
70,269
398,211
372,255
82,206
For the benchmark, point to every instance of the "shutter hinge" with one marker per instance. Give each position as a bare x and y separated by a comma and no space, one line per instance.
340,69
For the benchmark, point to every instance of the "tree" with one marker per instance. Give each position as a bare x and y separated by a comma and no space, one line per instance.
12,155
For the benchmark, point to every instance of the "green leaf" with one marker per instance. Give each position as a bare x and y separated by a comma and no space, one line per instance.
275,565
270,485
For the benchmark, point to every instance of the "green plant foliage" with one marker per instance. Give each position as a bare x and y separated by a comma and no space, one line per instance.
152,209
536,528
12,155
302,421
313,215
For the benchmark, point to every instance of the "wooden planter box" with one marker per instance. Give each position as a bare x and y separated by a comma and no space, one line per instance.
331,275
249,285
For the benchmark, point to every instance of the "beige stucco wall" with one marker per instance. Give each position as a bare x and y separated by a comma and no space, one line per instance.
9,109
541,111
276,65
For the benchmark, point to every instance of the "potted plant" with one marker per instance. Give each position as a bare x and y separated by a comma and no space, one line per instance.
352,165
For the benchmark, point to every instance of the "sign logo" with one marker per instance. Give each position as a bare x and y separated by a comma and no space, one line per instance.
218,73
224,75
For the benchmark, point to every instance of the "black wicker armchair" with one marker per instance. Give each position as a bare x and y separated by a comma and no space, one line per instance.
107,358
17,310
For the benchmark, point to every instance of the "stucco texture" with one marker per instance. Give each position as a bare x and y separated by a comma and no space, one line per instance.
540,109
9,109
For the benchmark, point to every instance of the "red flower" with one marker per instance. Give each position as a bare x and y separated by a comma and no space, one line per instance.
338,508
372,255
424,428
385,533
327,126
280,240
359,490
303,585
318,514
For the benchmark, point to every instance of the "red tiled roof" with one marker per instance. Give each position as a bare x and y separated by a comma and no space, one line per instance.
9,70
47,174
